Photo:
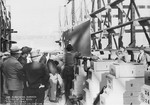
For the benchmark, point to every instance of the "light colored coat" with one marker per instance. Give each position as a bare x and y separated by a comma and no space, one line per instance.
142,58
53,85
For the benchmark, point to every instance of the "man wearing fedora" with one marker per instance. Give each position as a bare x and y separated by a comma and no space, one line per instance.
36,76
23,58
11,66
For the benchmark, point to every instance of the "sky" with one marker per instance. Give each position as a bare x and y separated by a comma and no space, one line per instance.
37,22
33,18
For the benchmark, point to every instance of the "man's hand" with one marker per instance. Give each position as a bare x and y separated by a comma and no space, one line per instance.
41,86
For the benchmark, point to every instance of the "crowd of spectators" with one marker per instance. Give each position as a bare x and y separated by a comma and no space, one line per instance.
29,76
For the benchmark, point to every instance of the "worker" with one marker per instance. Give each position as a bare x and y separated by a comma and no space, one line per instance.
122,55
142,58
68,72
11,67
56,84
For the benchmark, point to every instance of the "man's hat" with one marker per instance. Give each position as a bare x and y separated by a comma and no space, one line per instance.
35,54
15,49
26,50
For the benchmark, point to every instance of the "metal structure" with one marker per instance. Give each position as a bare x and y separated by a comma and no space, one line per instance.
129,20
5,27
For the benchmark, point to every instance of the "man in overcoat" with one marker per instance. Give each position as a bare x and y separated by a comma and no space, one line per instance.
11,67
36,77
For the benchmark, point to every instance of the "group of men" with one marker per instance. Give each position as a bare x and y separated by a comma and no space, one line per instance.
123,56
23,81
26,80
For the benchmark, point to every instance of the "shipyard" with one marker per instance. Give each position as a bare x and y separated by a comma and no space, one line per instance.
75,52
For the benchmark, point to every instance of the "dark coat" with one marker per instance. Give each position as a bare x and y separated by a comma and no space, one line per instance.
43,59
35,74
22,60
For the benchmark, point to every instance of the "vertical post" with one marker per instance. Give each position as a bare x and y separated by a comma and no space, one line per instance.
99,6
0,24
132,25
109,46
133,41
9,16
120,21
5,36
99,25
73,13
93,20
0,50
93,27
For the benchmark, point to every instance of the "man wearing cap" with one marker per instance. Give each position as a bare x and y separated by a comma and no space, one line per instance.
37,77
23,58
11,66
68,72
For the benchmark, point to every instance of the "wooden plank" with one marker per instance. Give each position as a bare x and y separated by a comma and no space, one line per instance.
9,41
137,30
138,6
104,8
132,49
140,20
12,41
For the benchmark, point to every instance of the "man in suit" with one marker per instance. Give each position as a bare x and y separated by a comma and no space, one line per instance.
11,66
37,78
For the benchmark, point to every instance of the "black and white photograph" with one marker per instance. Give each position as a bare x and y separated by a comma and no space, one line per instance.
74,52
